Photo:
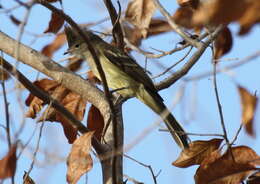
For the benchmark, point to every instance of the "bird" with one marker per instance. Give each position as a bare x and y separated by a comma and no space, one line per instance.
124,75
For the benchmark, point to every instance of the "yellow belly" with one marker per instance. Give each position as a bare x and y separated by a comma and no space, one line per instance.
117,79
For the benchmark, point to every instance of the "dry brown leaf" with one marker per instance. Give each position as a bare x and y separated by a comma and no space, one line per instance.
250,17
8,163
79,160
219,12
95,121
245,12
139,13
57,43
158,26
248,102
183,17
35,104
223,43
225,170
197,152
134,35
3,74
75,64
71,101
27,179
92,78
55,23
191,3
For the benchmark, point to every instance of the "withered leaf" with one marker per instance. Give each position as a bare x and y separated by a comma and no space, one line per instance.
134,35
231,168
191,3
223,43
248,102
139,13
158,26
3,74
95,121
250,17
75,64
219,12
55,23
57,43
92,78
8,163
245,12
79,160
35,104
197,152
183,17
71,101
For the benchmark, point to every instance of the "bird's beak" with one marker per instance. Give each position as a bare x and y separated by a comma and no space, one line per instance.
67,52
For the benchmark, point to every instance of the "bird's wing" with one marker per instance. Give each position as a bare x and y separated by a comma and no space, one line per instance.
131,67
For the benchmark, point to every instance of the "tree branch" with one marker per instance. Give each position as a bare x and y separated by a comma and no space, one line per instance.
193,60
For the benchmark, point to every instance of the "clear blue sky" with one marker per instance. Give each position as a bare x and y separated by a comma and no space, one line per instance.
197,111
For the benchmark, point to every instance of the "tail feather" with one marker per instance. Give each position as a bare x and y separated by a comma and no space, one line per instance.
157,105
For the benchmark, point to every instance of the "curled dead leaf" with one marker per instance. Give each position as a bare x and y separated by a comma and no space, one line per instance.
8,163
70,100
55,23
231,168
92,78
79,160
223,43
245,12
57,43
95,121
139,13
183,17
248,102
191,3
197,152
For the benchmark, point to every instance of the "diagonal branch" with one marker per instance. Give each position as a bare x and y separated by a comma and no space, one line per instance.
193,60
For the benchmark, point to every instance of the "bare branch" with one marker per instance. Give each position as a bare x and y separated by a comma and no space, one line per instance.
186,68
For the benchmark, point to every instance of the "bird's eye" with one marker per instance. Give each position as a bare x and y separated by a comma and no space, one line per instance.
77,46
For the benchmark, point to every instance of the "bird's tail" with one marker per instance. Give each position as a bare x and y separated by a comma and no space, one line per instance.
157,105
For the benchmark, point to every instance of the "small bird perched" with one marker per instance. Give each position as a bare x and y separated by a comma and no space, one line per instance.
122,72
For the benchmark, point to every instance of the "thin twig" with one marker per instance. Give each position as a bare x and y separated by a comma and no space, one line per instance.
145,165
36,149
6,106
172,66
236,136
226,68
219,104
193,60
